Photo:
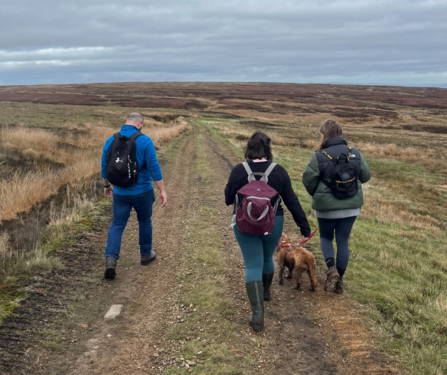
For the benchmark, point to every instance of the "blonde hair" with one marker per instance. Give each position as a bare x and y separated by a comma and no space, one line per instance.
330,129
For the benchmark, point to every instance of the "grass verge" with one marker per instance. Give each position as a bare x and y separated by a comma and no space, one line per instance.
59,235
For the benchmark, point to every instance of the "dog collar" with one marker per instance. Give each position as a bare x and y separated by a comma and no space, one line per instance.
286,244
283,244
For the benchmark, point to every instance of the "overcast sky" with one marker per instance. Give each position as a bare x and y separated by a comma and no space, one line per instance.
394,42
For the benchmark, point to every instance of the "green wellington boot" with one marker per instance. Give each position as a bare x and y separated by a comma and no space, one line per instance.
255,292
267,279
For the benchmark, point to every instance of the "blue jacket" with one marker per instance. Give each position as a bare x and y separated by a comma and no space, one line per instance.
146,160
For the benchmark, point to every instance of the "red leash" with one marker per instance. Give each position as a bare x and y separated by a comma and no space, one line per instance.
311,235
289,245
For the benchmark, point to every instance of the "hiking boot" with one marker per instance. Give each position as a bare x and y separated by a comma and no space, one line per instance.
146,259
267,279
255,292
110,268
332,279
339,287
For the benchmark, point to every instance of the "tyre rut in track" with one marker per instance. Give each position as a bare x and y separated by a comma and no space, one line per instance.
148,293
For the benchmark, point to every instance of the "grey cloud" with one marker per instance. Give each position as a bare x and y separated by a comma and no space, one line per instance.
399,42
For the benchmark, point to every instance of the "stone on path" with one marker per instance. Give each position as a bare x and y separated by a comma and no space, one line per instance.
113,312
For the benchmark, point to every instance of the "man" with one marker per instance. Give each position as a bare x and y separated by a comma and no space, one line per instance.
140,195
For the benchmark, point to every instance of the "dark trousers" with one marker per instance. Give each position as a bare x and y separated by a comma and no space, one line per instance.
342,230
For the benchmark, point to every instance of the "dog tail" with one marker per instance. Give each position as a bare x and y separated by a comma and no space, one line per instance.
313,277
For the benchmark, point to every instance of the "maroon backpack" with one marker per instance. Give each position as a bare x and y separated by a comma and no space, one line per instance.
255,214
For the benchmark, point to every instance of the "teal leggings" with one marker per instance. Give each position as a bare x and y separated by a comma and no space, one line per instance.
258,250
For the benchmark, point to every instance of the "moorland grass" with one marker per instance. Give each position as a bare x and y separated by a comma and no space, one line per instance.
57,116
398,266
64,229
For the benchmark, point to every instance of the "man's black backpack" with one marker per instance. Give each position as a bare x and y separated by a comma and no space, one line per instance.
122,169
344,176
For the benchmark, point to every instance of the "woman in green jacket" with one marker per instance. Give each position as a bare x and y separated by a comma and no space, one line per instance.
335,215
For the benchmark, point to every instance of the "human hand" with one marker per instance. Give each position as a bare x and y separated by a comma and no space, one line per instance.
304,238
163,199
108,192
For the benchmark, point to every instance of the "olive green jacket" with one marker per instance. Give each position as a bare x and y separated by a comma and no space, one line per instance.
322,198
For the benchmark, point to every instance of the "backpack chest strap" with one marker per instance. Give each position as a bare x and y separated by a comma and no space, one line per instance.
336,160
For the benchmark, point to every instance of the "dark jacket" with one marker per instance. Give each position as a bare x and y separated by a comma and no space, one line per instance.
278,180
320,167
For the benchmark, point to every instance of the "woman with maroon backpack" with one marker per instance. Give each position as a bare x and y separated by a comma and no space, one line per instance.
255,188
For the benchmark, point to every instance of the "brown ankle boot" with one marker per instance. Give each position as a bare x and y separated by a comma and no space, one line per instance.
339,287
332,279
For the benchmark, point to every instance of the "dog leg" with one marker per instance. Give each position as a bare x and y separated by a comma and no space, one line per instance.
289,274
281,274
313,278
298,272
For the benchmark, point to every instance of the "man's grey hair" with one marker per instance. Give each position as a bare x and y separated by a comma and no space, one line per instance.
134,117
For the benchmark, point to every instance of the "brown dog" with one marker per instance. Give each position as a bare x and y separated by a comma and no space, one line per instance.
298,258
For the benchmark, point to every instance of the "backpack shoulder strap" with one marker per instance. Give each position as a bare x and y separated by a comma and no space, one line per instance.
349,154
326,154
116,136
248,170
264,176
134,136
269,170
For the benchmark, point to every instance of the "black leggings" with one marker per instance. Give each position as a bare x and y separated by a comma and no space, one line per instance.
342,229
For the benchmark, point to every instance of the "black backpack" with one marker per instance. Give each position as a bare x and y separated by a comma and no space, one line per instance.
343,181
122,169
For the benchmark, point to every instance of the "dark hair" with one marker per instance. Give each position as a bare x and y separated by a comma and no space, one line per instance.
330,129
258,147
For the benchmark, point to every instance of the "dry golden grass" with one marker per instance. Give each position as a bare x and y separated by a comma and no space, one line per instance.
236,133
22,191
391,211
5,253
96,137
426,157
164,134
35,143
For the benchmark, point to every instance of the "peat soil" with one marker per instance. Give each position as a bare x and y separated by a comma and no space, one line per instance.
60,326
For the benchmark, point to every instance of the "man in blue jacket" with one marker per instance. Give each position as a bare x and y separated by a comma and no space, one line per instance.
140,196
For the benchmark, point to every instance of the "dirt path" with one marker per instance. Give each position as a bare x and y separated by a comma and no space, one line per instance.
306,333
128,345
